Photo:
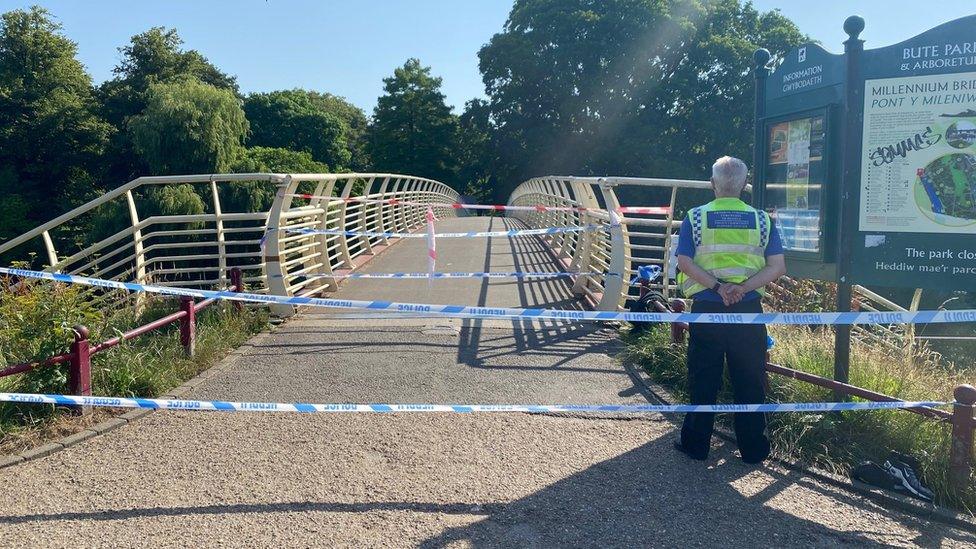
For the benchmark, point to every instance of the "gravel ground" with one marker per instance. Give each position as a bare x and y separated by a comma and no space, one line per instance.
502,480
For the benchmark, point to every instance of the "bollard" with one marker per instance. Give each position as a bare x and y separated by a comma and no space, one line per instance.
237,281
188,326
79,368
678,329
963,424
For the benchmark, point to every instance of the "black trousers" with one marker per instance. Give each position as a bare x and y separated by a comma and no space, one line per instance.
743,347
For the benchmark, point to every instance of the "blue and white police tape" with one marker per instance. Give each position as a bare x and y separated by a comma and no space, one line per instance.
471,234
453,275
223,406
467,311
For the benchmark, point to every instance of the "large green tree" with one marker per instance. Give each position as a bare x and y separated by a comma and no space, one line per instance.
414,131
476,151
357,127
154,56
292,120
642,87
188,127
50,135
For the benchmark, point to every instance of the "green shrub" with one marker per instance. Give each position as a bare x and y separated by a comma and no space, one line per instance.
36,322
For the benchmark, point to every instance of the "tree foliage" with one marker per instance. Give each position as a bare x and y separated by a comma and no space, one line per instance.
630,87
292,120
152,57
257,196
357,127
51,137
414,131
641,87
188,127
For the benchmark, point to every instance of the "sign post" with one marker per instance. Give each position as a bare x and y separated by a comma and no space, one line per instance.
853,48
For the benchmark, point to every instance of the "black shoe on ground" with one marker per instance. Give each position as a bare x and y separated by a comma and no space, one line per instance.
908,478
906,459
681,448
876,475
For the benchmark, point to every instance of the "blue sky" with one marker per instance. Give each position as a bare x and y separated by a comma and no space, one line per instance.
348,47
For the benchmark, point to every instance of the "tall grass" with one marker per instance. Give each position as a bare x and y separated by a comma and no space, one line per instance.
837,441
36,322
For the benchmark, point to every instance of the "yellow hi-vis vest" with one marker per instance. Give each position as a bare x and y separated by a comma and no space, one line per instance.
730,242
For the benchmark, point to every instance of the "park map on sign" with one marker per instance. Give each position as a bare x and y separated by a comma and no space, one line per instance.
919,164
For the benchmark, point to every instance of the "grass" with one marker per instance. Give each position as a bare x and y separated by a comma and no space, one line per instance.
839,440
36,320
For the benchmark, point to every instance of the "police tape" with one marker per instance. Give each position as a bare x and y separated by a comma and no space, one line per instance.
470,234
647,210
452,275
301,407
468,311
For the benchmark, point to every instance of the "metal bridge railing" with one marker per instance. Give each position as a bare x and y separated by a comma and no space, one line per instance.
199,250
619,250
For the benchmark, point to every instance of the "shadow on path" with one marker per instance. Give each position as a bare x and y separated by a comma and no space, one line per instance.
648,496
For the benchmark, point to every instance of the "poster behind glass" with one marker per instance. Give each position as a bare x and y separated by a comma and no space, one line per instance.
794,181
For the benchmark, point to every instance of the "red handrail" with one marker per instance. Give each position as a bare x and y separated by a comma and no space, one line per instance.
81,334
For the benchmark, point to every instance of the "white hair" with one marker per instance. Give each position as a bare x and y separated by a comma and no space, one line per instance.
729,175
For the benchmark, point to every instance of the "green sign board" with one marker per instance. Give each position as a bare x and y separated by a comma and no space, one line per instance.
868,159
916,217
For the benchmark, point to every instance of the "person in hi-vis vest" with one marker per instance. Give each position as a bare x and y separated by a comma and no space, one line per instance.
727,252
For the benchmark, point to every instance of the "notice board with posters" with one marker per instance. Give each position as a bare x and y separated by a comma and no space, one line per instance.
795,167
916,216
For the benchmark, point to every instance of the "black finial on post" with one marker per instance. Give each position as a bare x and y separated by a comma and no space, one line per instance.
761,57
853,26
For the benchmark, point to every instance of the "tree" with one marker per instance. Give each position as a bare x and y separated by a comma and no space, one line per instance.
474,151
642,87
292,120
154,56
414,131
188,127
357,127
256,196
51,138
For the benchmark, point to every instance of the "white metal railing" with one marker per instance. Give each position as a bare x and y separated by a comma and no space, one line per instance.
198,250
619,250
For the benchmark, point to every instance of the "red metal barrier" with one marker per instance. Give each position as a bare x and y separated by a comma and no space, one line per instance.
188,326
79,368
79,358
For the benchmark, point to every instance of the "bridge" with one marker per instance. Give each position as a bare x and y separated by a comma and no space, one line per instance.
431,480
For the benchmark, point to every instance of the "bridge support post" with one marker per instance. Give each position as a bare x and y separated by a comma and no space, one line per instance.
273,270
188,326
613,286
961,457
79,368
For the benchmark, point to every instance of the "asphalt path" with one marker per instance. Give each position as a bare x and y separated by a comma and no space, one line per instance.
431,480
